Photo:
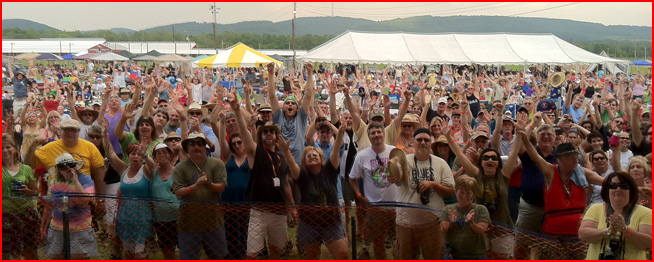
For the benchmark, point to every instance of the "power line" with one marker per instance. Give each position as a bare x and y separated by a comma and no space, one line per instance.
281,11
544,9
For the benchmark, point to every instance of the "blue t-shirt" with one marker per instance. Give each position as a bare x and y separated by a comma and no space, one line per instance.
20,87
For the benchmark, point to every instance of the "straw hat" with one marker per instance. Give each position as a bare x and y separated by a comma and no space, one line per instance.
397,166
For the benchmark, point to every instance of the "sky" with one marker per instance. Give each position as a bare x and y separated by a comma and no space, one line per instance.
94,16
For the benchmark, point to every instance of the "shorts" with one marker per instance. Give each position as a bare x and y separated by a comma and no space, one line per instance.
378,220
427,237
309,234
111,204
80,243
264,224
18,105
213,242
530,217
166,234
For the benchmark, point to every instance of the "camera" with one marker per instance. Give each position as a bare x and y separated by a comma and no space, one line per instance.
613,250
424,197
491,206
18,185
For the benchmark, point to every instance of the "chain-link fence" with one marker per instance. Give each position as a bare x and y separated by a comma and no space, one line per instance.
78,227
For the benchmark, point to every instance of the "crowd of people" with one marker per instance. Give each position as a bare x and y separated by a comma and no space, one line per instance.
477,162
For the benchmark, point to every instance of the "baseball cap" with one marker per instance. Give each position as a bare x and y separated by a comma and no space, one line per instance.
70,123
546,106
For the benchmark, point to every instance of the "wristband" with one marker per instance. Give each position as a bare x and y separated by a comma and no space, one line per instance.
189,189
359,195
466,143
451,142
628,233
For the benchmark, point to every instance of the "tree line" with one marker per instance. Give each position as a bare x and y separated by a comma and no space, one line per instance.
625,49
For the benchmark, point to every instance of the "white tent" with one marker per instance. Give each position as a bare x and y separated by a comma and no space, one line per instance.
110,56
496,49
610,67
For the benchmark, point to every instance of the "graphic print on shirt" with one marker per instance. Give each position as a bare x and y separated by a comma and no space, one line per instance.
421,174
380,174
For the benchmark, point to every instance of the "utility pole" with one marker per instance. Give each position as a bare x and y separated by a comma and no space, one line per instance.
174,39
214,11
293,31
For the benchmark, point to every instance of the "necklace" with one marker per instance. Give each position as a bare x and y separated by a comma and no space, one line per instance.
567,187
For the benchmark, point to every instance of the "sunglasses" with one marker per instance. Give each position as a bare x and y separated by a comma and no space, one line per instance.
314,154
599,158
407,126
618,122
265,132
177,139
197,143
487,157
624,138
623,186
379,162
423,140
528,103
64,166
237,143
95,137
195,113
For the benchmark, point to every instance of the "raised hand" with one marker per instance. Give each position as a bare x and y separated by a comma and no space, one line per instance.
282,144
271,68
233,101
130,110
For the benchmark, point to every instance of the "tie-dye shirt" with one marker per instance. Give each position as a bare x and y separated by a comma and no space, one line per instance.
79,216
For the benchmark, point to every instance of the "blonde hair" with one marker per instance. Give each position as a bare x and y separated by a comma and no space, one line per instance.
8,139
47,118
309,149
465,182
643,162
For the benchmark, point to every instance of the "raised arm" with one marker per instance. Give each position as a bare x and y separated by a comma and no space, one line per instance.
512,162
349,104
636,134
128,113
309,87
334,157
150,94
568,96
403,109
248,143
272,97
283,145
467,165
496,138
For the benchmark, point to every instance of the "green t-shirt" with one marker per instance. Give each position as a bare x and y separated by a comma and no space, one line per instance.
130,138
606,118
200,210
15,205
465,243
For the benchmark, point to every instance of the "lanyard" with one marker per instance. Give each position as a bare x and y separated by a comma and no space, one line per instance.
275,167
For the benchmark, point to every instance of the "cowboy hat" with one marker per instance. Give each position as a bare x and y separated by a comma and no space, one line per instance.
192,136
398,165
90,109
268,125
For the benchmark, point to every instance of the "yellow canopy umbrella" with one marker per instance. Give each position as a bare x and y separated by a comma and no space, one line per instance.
240,55
27,56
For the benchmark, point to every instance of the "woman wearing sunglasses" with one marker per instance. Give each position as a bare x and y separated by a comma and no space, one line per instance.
144,133
491,191
639,170
316,181
620,228
69,181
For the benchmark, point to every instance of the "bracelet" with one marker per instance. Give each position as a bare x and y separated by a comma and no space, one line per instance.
591,117
359,195
532,127
628,233
451,142
189,189
466,143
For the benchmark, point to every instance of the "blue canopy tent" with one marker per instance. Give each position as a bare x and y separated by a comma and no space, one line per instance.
641,63
48,56
67,57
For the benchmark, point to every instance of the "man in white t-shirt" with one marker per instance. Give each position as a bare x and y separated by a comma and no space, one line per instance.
371,164
427,181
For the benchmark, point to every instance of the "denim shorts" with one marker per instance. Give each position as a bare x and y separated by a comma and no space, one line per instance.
308,234
80,243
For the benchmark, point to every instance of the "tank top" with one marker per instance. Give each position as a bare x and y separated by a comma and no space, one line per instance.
238,178
563,211
28,138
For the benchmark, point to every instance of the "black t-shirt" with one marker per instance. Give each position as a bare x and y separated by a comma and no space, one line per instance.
590,91
473,102
643,149
431,114
111,176
261,187
319,190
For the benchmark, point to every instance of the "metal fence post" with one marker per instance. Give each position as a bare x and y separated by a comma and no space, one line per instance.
353,233
64,217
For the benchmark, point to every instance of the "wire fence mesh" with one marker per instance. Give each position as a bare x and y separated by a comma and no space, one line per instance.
131,228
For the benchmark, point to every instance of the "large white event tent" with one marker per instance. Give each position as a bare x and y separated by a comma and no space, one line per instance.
483,49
